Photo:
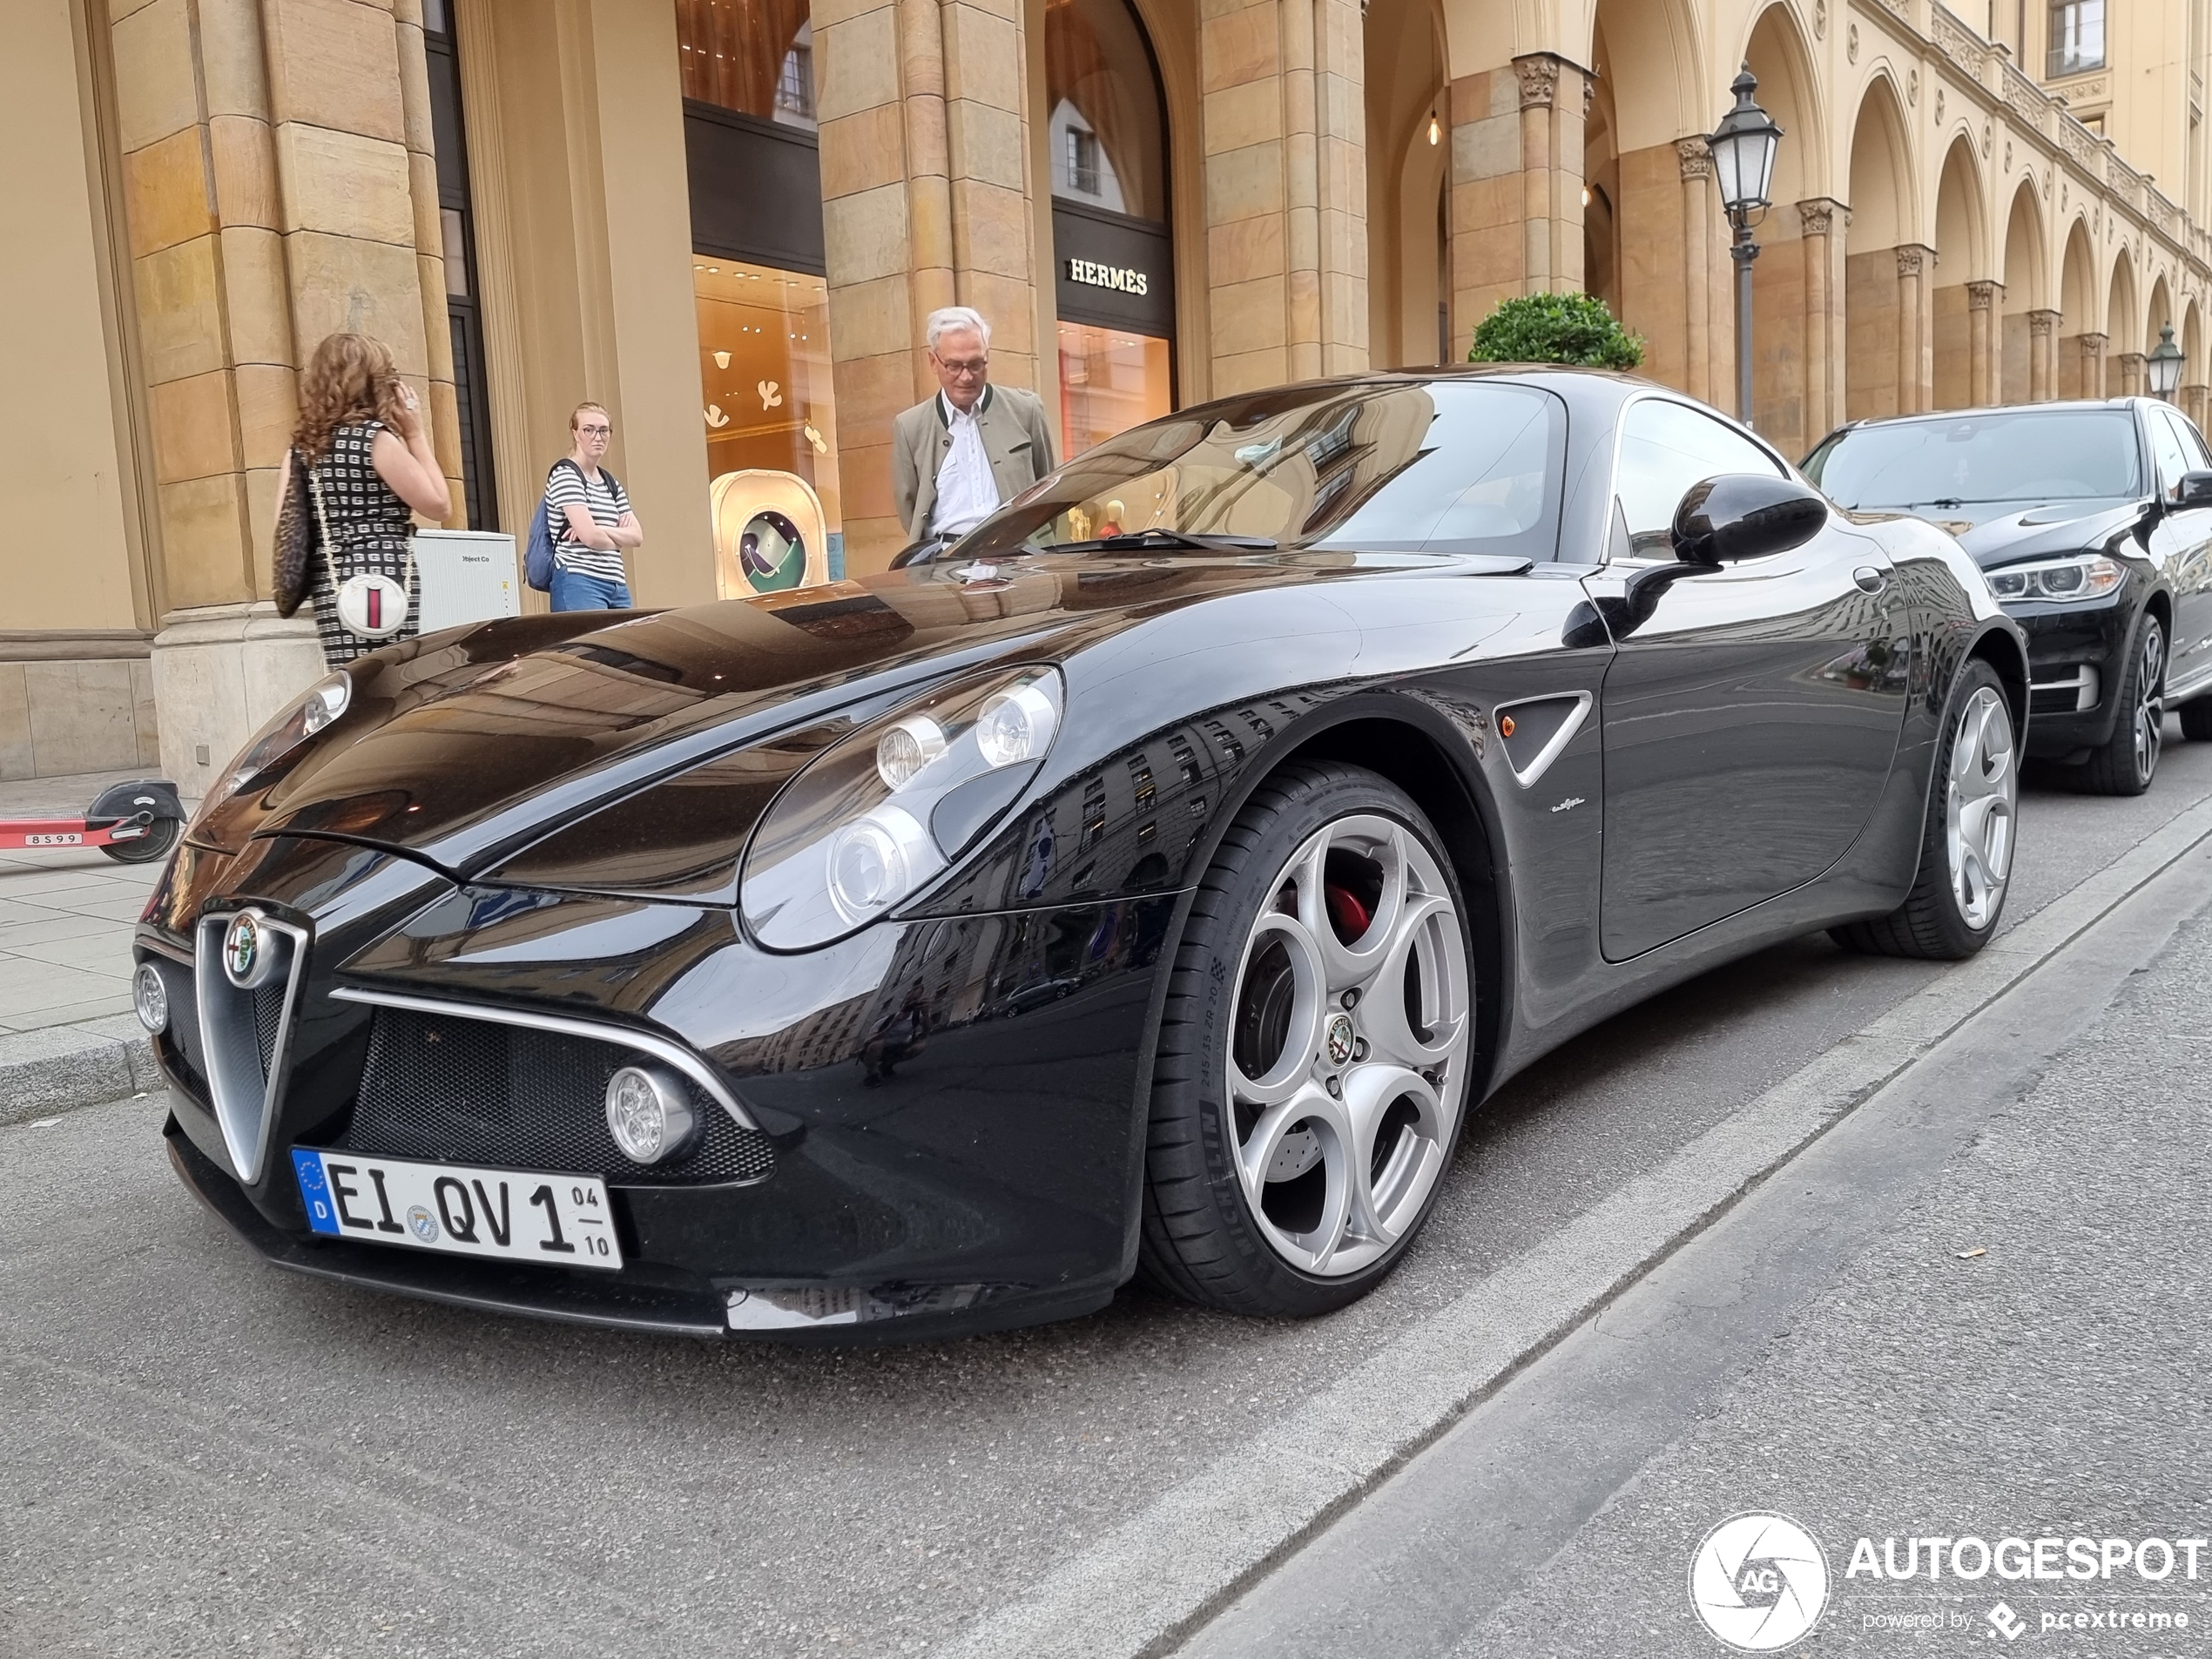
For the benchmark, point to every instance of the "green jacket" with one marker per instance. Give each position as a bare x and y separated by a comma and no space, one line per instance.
1016,436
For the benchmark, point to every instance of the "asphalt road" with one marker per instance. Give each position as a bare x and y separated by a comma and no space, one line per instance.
197,1453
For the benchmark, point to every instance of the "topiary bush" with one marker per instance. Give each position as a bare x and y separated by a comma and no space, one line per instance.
1555,328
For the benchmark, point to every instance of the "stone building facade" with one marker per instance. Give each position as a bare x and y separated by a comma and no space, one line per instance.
725,219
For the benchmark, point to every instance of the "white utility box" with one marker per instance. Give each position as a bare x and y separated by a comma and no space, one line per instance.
466,576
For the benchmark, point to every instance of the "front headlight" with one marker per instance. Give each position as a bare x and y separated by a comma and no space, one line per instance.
2088,576
319,707
870,821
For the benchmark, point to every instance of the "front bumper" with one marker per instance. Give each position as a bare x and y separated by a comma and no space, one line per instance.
937,1125
2076,655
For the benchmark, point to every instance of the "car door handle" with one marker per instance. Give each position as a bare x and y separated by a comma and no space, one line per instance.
1870,579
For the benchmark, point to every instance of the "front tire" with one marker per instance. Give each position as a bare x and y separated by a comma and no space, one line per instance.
1313,1064
2129,759
1966,844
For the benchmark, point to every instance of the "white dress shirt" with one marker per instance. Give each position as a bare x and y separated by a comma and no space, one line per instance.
966,493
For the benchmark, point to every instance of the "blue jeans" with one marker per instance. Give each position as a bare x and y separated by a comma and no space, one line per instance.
572,591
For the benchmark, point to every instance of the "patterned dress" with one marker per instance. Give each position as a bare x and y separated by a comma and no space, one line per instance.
368,530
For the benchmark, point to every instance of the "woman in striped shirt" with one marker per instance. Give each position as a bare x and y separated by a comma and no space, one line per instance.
591,519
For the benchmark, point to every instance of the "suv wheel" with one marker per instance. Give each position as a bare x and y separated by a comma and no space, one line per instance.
2129,759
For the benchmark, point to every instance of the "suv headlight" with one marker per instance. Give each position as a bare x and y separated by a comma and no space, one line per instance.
320,707
2088,576
871,819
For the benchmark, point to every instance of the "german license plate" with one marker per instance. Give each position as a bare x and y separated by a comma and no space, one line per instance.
562,1220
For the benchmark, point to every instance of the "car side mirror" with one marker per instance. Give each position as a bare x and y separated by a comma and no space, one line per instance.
2194,490
1745,515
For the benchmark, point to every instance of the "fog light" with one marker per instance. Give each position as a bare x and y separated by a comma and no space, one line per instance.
649,1113
150,997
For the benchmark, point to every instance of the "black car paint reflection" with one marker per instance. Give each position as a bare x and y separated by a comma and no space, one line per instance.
551,814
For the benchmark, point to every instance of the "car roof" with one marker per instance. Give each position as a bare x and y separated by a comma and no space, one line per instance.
2047,408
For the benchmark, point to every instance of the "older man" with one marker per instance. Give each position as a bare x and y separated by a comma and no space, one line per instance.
954,458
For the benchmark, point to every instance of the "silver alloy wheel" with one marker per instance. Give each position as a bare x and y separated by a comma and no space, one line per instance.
1983,787
1347,1045
2149,713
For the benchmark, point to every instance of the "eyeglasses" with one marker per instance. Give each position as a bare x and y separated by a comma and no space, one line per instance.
962,371
595,431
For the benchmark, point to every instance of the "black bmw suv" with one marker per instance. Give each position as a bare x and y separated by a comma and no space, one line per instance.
2092,522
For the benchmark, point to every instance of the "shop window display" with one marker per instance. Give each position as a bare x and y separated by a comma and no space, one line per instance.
770,410
1110,380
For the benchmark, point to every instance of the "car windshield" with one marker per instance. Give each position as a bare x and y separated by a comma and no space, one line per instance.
1455,467
2018,455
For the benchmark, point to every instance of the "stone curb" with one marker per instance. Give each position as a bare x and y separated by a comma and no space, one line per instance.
61,1067
1156,1576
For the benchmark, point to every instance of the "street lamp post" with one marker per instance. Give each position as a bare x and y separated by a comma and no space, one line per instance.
1743,149
2165,365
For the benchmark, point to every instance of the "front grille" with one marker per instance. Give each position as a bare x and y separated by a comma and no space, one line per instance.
476,1091
268,1015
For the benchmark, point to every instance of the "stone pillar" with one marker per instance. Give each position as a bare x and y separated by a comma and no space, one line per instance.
2093,365
1282,131
270,200
1824,317
923,107
2042,356
1983,364
2192,403
2132,382
1516,200
1553,94
1915,346
1696,164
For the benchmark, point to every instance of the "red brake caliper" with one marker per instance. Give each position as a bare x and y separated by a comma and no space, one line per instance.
1349,916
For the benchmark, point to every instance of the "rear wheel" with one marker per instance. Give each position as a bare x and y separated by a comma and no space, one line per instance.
2129,758
160,836
1966,843
1312,1062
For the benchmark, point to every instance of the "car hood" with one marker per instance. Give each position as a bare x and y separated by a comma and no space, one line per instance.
2013,534
462,745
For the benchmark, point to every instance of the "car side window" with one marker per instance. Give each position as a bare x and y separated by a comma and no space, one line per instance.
2193,451
2167,452
1666,447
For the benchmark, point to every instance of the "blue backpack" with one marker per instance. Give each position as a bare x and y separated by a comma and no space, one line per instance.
537,561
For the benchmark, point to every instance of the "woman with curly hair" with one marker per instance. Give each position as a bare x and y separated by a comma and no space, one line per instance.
362,440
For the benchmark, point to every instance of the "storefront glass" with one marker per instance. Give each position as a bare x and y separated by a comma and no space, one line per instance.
1106,131
770,408
1110,380
755,57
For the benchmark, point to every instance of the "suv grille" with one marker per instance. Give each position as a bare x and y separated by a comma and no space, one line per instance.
476,1091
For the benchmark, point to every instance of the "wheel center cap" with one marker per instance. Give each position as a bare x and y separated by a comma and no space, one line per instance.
1337,1038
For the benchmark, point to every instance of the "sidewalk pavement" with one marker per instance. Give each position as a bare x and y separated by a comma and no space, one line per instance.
67,1035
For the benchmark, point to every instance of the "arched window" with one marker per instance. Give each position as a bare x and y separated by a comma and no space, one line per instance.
1106,133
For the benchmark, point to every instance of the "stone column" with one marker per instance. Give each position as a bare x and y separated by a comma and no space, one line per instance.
1824,317
1983,364
270,200
1282,130
2192,403
923,107
1516,200
1696,164
1915,346
2132,382
2093,365
2042,356
1553,94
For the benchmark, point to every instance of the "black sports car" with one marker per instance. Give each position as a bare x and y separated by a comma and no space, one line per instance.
2094,524
936,951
